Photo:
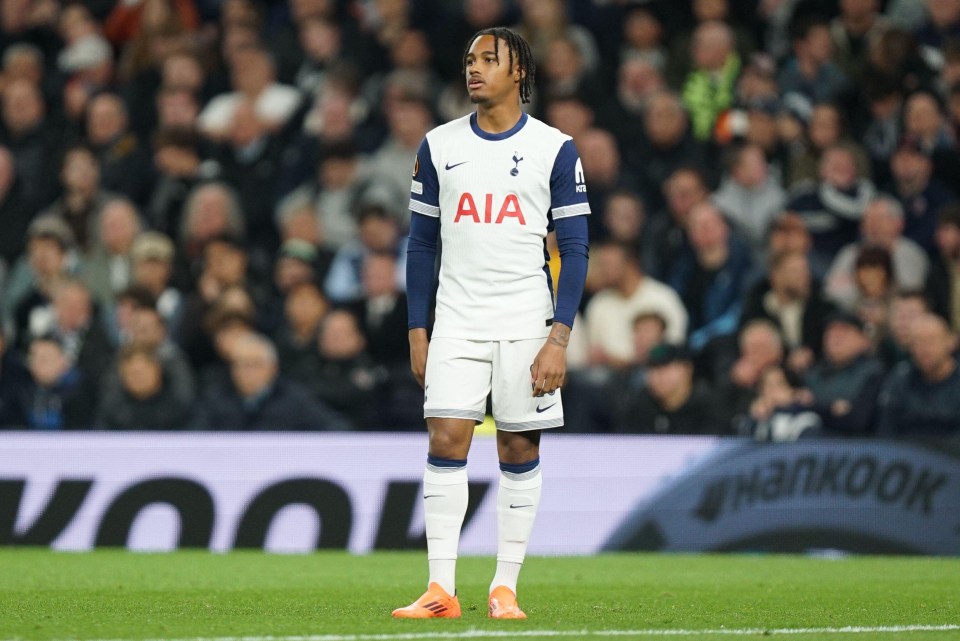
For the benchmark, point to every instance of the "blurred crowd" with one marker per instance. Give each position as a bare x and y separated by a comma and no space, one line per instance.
203,210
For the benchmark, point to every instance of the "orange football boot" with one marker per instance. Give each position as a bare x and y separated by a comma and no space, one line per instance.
503,604
434,604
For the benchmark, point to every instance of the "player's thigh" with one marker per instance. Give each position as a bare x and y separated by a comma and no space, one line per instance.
515,409
458,378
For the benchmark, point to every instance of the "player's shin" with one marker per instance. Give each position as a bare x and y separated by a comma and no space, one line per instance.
445,497
518,499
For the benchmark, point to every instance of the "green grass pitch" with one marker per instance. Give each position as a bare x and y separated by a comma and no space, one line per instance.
47,595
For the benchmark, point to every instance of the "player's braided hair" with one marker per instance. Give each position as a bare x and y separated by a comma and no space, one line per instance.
519,50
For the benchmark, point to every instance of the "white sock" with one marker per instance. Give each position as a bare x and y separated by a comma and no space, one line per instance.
518,499
444,506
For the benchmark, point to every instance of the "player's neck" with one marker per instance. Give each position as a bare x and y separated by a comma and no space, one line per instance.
496,119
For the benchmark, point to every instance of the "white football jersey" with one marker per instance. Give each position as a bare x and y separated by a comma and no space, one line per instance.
496,196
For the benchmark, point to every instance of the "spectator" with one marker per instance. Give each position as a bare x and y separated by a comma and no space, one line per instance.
924,121
304,308
149,331
320,39
626,291
776,415
145,398
623,219
224,328
712,276
249,160
600,159
564,73
749,196
844,386
663,146
942,24
908,306
347,379
83,195
852,31
810,73
379,231
259,398
73,319
708,88
151,259
881,136
56,396
591,409
252,78
408,120
179,168
211,209
760,347
332,190
875,288
31,137
920,194
922,397
666,240
382,312
643,37
789,234
49,258
825,128
124,160
882,226
791,300
704,11
107,268
944,281
673,402
832,208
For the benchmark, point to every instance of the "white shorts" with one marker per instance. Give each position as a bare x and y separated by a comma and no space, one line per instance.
461,373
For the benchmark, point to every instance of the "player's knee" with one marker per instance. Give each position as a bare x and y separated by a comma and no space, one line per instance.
448,444
518,448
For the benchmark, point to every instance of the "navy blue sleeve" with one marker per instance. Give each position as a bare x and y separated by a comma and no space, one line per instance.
574,247
568,189
421,258
425,187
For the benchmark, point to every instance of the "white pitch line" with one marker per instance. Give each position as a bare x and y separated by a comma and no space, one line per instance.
496,634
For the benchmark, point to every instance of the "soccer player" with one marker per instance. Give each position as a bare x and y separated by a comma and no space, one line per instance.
490,186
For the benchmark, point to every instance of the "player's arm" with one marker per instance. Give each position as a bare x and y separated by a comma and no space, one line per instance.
421,257
569,209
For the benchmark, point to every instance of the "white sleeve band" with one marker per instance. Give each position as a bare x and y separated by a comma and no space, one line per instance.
579,209
423,208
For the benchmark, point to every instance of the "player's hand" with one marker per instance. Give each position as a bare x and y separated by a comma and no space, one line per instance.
549,368
419,344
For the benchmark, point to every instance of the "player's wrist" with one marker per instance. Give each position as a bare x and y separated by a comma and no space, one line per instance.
559,335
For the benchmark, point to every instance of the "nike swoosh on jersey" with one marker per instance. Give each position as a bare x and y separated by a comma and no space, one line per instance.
515,506
448,166
540,410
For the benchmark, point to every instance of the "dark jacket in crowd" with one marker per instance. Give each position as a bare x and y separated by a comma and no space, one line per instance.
165,410
714,299
858,382
351,387
285,406
910,406
70,404
815,313
642,414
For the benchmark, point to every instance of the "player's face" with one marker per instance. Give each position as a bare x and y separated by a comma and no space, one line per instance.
490,80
